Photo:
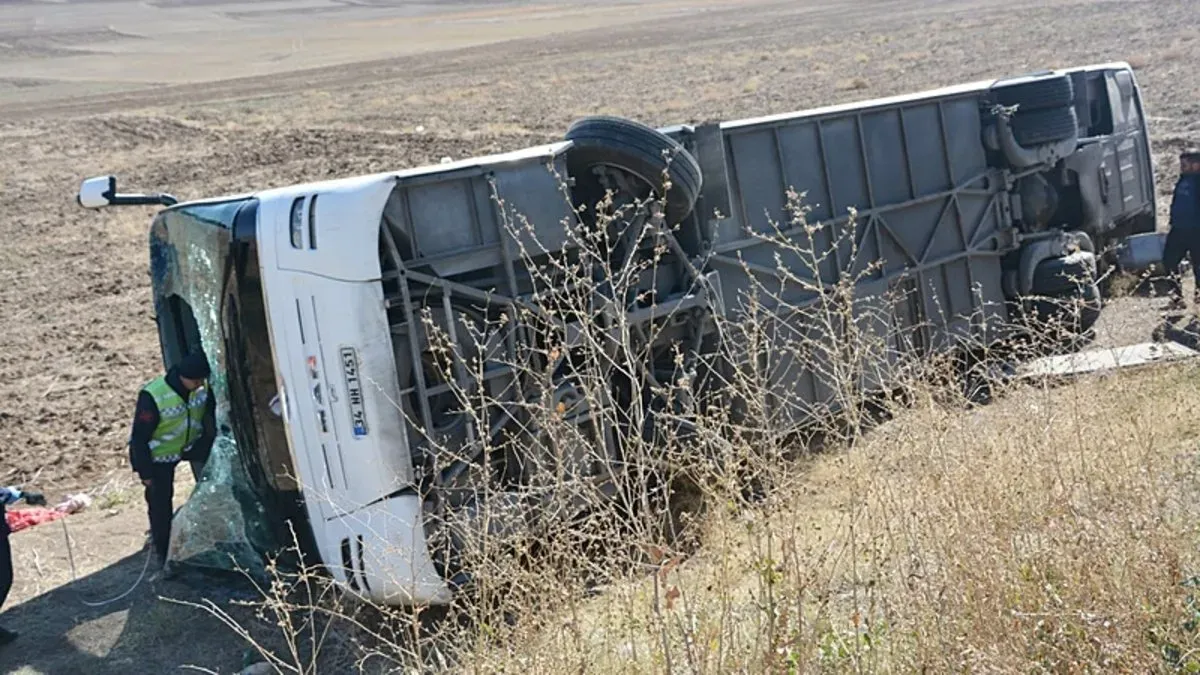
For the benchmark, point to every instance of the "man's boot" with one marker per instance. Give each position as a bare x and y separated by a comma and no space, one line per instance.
158,565
7,636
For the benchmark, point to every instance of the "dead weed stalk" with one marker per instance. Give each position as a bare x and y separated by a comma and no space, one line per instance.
1054,530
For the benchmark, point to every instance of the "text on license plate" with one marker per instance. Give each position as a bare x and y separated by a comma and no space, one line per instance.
354,395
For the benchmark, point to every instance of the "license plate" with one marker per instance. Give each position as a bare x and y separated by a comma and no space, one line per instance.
354,395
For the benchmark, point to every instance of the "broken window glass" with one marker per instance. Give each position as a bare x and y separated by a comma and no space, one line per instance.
224,525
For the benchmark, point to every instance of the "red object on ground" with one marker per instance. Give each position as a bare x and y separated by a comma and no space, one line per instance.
34,515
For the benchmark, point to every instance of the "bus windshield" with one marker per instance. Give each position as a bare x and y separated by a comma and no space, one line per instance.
199,263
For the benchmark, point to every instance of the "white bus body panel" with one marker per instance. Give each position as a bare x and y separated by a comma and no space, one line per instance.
324,304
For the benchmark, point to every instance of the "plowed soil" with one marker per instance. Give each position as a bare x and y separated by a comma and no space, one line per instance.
200,99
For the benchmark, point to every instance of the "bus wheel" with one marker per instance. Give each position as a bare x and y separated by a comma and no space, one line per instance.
601,143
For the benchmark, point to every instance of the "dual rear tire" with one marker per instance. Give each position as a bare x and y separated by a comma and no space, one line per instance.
1045,109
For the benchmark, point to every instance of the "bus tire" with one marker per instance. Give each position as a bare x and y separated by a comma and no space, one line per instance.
1065,302
638,150
1041,127
1041,94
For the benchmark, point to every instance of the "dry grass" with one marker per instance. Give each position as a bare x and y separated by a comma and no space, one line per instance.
1054,530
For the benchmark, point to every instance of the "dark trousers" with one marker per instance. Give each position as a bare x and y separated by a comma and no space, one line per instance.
6,570
1181,242
160,495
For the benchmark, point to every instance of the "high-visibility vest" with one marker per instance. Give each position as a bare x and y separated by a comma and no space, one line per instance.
180,422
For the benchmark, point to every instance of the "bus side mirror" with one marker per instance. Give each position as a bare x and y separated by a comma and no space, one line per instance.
101,191
96,193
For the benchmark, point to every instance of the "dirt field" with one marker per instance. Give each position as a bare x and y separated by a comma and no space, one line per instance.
200,98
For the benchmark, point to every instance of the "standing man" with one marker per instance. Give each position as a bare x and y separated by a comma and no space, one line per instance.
174,421
10,495
1183,239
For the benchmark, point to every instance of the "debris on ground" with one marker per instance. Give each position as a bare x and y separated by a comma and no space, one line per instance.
1103,360
21,519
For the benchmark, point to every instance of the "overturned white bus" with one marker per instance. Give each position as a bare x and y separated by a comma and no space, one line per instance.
978,196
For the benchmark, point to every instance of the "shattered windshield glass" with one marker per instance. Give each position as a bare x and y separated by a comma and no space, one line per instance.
224,524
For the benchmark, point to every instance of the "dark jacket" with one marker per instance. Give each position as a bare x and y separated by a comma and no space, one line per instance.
145,421
1185,202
